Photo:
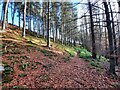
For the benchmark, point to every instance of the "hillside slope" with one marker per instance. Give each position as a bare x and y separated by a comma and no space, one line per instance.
30,64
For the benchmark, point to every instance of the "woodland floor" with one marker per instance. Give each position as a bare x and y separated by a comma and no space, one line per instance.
48,68
54,71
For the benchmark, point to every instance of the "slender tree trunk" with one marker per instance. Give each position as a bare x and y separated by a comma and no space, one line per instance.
62,29
44,26
5,15
44,19
30,16
3,10
56,33
114,37
119,29
7,18
24,19
86,27
19,17
43,22
106,45
92,32
53,31
48,27
34,21
38,26
110,38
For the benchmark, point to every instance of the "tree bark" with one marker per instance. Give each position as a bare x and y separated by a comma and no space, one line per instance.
114,37
110,39
24,19
92,32
48,27
5,15
19,18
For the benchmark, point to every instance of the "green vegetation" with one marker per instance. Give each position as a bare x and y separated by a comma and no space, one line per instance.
24,65
11,51
25,57
17,57
84,53
16,51
37,63
77,49
71,52
1,53
1,45
22,75
8,69
95,63
66,59
44,77
116,85
4,88
7,79
19,87
47,66
10,57
6,73
47,53
13,45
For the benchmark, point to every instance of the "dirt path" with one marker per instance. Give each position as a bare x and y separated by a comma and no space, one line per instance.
78,74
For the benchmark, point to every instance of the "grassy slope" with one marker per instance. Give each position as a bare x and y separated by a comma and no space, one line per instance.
15,36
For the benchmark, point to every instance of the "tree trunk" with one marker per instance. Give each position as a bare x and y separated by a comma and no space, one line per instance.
24,20
5,15
48,27
62,34
92,32
3,10
56,33
114,37
38,33
110,39
43,20
30,17
119,28
53,31
19,18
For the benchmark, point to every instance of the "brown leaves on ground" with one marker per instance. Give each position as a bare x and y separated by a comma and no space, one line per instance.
52,71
